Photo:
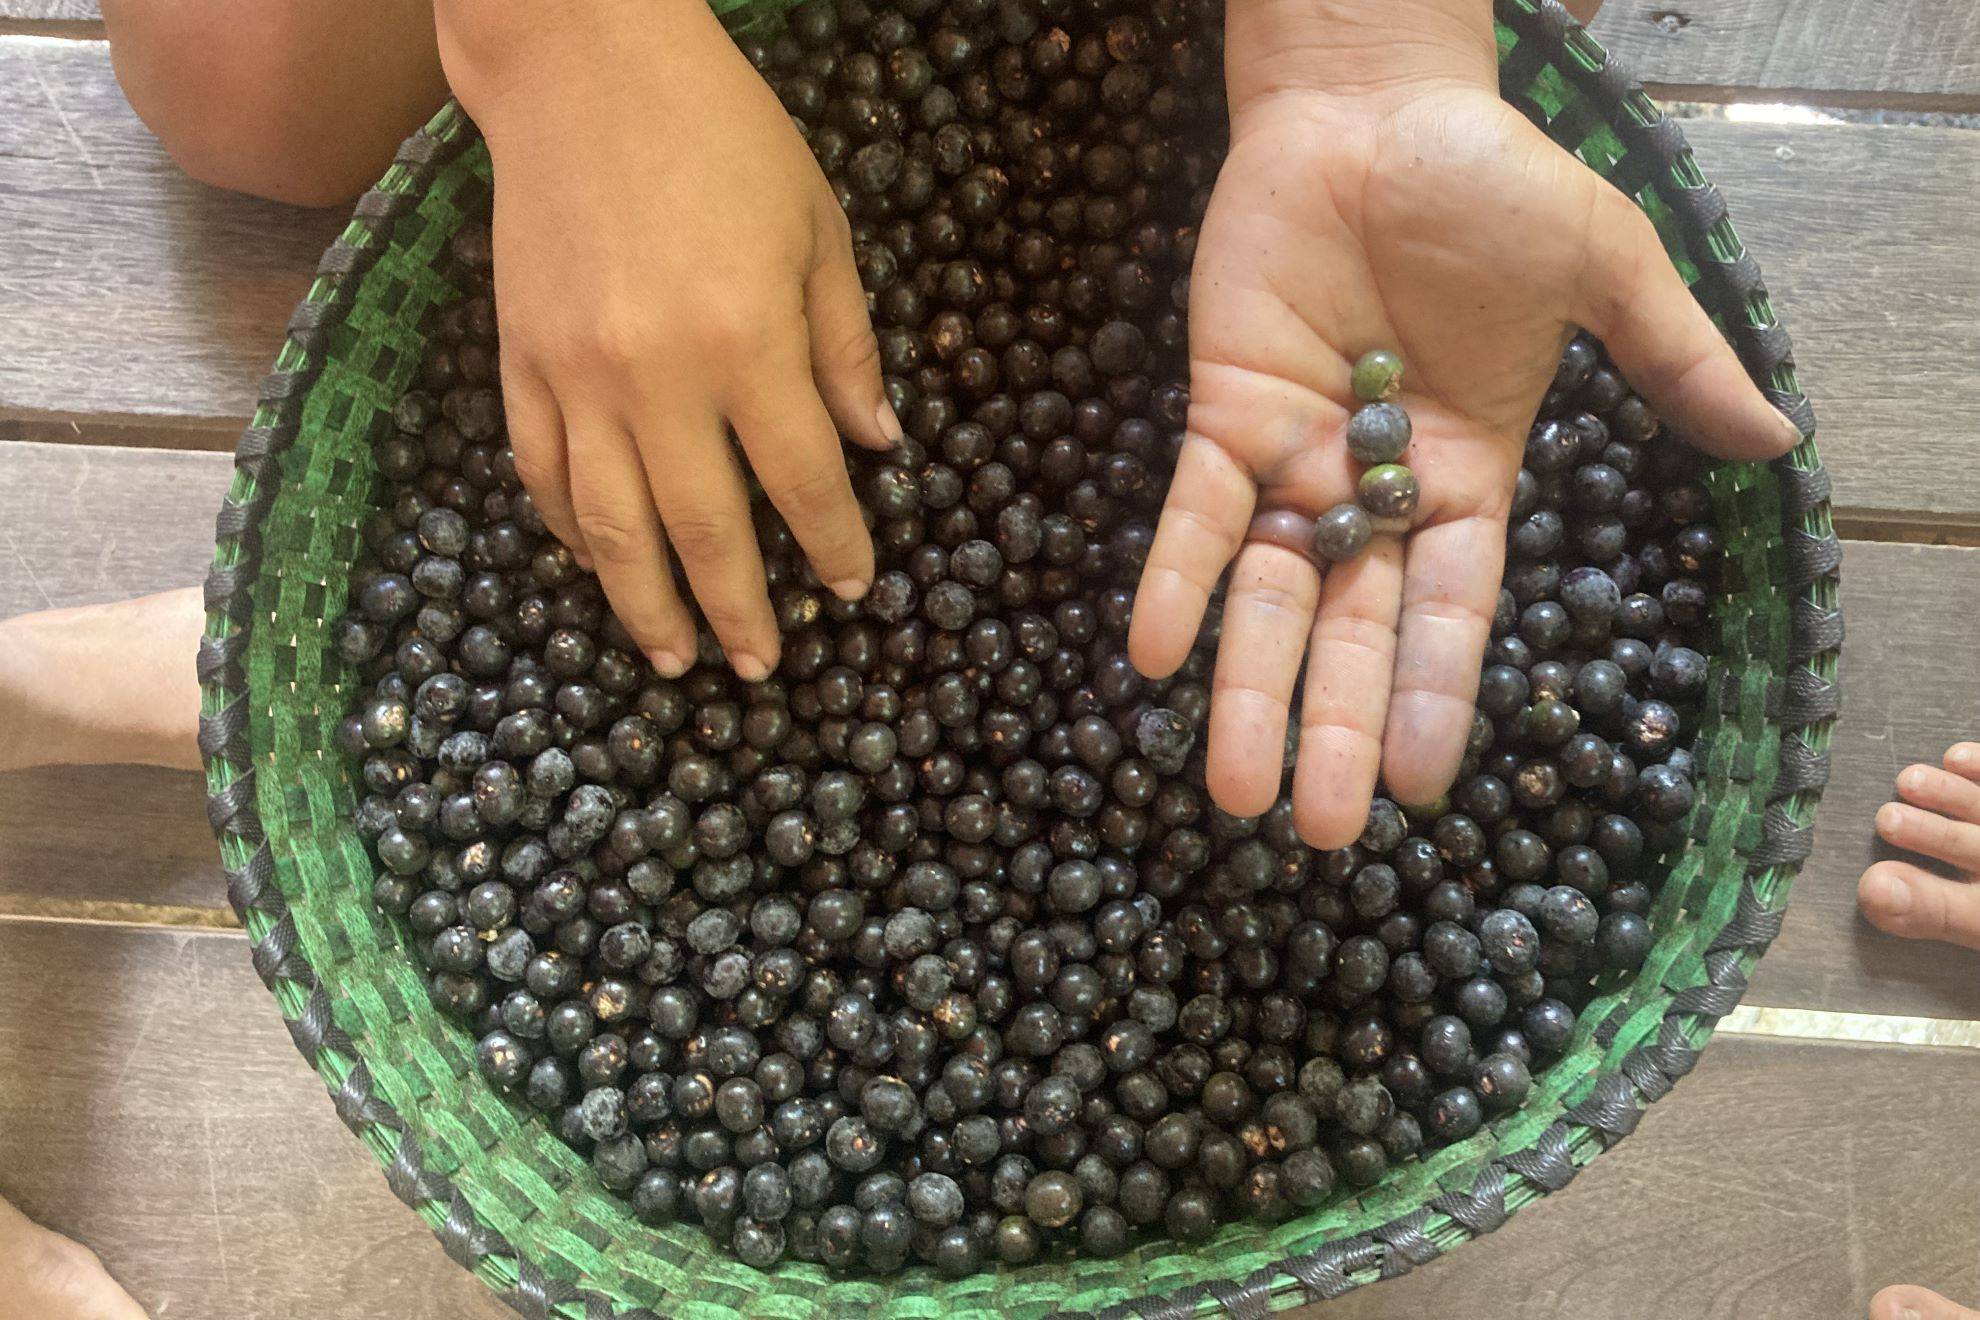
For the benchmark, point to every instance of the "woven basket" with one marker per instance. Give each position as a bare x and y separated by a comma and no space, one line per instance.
514,1204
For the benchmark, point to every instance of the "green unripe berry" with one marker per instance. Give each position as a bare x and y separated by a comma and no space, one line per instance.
1377,375
1389,491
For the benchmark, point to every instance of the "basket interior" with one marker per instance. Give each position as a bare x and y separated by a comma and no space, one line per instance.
503,1161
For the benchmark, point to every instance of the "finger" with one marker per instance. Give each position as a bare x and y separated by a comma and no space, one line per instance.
614,513
1938,790
1635,301
1348,676
1202,525
1902,898
1907,1301
1953,842
698,485
1963,759
536,437
1267,619
791,444
1450,588
845,357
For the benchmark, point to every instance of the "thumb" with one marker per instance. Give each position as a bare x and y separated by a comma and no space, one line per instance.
845,357
1634,301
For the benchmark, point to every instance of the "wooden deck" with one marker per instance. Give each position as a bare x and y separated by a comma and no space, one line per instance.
156,1109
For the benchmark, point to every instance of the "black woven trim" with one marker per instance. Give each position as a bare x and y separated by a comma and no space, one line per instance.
223,740
1806,701
1607,1115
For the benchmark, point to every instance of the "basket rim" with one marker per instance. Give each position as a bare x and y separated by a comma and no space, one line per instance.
1804,709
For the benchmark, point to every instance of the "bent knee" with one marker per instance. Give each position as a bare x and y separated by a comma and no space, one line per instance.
262,98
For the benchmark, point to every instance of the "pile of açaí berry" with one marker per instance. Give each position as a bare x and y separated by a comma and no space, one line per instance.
932,947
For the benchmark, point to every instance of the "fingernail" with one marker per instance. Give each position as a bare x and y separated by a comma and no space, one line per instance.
890,425
749,669
849,589
1897,896
668,664
1790,433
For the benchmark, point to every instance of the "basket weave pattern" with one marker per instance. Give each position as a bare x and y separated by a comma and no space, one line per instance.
514,1204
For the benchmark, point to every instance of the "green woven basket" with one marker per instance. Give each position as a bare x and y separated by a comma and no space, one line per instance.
513,1203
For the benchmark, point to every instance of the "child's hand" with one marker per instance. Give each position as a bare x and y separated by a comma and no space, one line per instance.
670,263
1411,210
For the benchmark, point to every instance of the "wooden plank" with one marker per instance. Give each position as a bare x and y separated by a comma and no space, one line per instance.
82,524
1907,694
118,833
90,524
127,289
1866,248
1922,54
1790,49
166,1119
69,11
1781,1180
170,1124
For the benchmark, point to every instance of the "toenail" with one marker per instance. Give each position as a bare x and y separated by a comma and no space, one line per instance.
1913,778
1897,896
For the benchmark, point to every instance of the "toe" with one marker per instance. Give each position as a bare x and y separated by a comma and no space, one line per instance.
1963,759
1907,900
1955,842
1909,1302
1942,791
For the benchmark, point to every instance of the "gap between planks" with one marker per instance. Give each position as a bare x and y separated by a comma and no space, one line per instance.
1746,1020
1817,98
60,29
112,912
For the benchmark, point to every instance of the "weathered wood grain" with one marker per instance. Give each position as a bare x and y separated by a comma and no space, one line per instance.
123,833
83,523
1780,1181
1860,51
1920,53
1910,689
72,11
78,525
127,289
165,1118
1874,277
86,524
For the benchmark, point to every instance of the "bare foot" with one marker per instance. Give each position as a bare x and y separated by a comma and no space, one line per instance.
1939,818
1905,1302
45,1276
102,684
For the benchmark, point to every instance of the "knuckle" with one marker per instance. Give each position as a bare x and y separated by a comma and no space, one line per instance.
816,492
622,340
534,468
612,535
727,331
835,225
700,537
860,354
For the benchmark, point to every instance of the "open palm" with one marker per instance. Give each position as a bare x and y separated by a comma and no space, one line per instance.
1451,230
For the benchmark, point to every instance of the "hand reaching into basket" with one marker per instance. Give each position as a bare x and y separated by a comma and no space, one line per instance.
658,288
1379,194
